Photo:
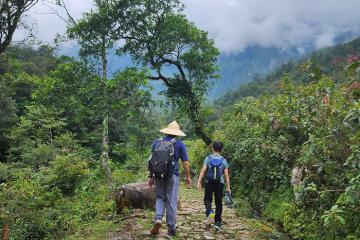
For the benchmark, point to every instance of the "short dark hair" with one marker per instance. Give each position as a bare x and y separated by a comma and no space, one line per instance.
217,146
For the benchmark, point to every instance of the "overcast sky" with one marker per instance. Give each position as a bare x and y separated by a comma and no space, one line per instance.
237,24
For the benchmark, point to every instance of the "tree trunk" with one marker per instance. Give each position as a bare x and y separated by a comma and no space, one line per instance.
197,121
105,149
5,232
105,125
201,134
193,111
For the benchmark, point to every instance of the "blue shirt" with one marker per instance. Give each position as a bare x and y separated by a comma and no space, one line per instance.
225,164
179,152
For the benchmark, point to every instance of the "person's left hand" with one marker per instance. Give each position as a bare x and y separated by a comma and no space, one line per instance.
150,182
188,182
199,186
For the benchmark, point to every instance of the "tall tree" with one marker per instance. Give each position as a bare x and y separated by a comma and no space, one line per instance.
95,33
180,55
130,117
8,112
10,17
75,91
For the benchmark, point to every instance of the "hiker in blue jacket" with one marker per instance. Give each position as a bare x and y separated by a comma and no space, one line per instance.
164,173
215,167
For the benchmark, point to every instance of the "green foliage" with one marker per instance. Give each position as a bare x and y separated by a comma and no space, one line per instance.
51,185
32,138
25,203
197,153
57,197
66,172
242,207
37,210
74,92
179,54
333,215
34,61
17,84
9,117
130,102
281,201
98,30
315,126
123,176
353,68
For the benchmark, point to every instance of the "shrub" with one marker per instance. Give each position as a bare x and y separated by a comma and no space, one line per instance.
316,126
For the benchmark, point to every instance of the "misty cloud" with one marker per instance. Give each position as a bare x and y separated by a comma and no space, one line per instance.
46,23
238,24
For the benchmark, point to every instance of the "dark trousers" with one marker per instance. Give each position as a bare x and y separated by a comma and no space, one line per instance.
217,189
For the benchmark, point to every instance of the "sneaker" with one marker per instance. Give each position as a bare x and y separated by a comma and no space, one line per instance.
217,226
156,228
210,218
171,232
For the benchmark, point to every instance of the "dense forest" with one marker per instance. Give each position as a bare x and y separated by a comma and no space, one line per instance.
71,134
314,126
51,141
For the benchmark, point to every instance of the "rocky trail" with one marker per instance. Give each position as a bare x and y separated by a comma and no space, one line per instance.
191,223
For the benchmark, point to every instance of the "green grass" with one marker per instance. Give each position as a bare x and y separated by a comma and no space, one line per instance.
94,231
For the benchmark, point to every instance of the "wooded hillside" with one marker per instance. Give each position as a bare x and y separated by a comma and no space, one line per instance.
329,61
71,134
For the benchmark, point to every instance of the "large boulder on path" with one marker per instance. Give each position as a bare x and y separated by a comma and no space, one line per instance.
135,195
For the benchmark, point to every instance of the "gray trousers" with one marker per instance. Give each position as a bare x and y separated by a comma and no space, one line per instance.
166,198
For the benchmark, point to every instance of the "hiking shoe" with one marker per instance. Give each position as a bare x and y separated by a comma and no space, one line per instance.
171,232
210,219
217,226
156,228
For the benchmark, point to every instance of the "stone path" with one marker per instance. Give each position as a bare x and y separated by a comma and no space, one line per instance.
190,222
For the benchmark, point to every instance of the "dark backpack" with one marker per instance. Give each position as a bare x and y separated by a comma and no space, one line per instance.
161,163
215,169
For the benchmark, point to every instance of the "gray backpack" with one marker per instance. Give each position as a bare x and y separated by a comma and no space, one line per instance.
161,163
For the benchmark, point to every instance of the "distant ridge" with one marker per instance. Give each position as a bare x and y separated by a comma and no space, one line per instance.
327,60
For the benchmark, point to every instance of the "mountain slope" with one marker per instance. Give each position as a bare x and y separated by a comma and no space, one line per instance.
239,68
329,61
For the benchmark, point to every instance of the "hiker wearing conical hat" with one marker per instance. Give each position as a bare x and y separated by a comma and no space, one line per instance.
164,173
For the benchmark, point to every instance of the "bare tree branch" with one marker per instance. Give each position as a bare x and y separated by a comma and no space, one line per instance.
10,16
59,3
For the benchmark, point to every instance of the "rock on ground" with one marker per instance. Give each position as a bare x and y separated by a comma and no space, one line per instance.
191,222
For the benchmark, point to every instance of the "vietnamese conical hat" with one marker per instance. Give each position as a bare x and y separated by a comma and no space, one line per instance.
173,129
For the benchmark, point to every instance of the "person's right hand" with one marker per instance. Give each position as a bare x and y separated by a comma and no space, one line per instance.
188,182
199,186
150,182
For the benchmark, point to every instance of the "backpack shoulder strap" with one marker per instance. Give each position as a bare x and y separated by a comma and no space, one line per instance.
155,143
210,157
173,141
